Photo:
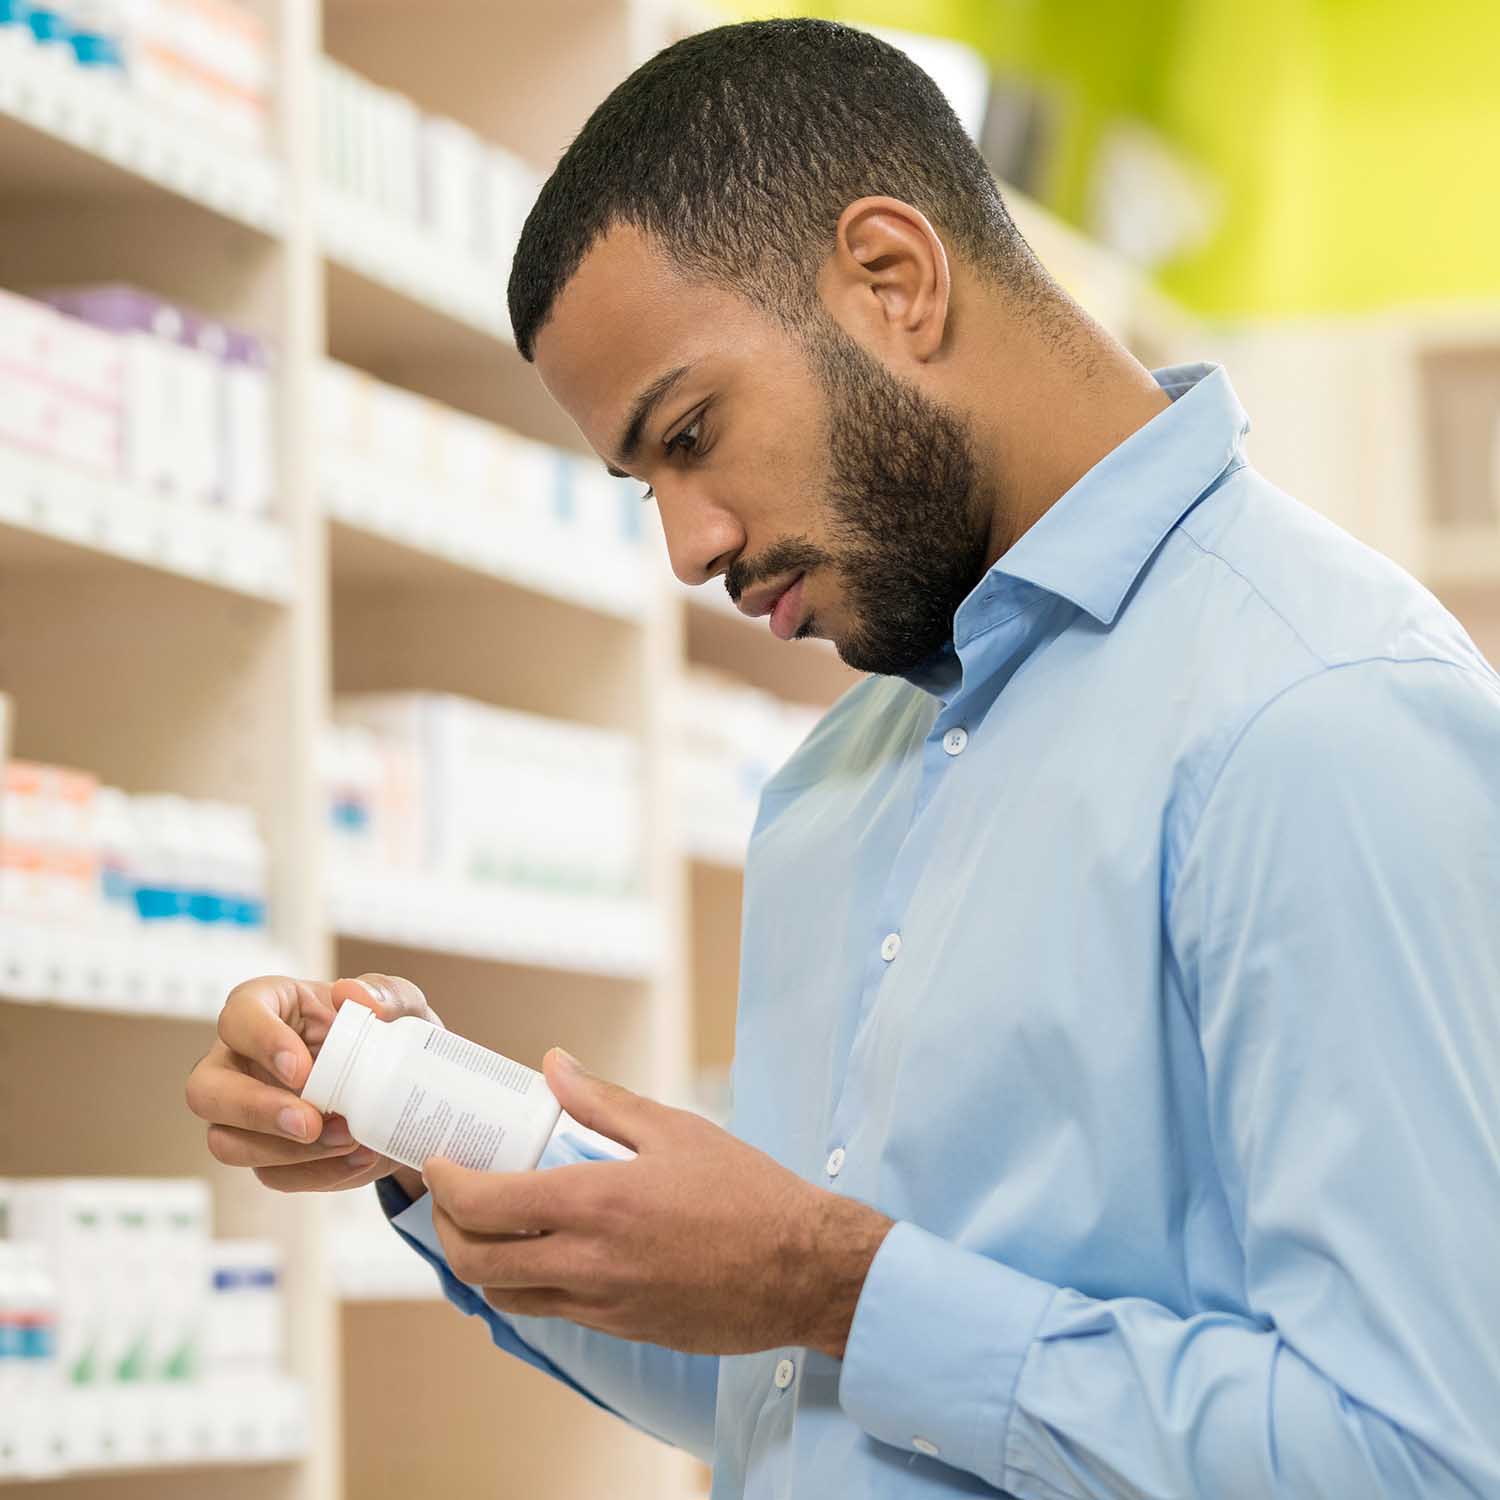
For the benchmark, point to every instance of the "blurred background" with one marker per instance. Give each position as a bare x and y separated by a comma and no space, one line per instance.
324,649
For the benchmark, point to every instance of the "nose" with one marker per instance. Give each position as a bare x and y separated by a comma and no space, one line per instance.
703,537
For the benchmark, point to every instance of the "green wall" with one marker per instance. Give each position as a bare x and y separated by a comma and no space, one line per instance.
1357,141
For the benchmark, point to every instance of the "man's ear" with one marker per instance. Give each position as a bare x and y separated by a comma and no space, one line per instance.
887,282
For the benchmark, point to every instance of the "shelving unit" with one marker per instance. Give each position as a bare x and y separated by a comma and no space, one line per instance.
1389,425
62,127
200,656
55,519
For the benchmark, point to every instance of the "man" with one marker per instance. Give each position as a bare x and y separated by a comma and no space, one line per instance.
1116,1107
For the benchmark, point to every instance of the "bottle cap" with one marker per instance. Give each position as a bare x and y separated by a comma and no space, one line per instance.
335,1058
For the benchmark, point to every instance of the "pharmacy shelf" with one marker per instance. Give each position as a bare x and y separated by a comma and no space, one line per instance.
74,1432
584,934
53,516
66,129
57,964
416,265
212,698
433,539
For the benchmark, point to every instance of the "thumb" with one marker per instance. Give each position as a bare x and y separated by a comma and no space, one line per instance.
628,1118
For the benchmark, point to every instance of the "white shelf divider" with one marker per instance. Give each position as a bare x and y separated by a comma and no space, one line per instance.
406,259
77,1431
41,88
125,973
607,580
246,554
614,936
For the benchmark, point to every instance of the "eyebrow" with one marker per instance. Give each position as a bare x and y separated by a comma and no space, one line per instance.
646,403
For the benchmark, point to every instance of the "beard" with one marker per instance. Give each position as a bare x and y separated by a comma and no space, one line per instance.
908,532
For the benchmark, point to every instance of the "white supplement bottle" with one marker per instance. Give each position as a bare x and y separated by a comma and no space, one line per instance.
411,1090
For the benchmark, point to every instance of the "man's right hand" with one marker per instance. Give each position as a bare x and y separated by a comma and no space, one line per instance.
247,1087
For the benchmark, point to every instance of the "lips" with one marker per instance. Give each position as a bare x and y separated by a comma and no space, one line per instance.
786,614
757,602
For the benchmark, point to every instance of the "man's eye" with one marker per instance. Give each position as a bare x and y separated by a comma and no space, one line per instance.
687,439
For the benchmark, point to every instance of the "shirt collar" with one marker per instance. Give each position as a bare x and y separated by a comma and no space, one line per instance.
1094,542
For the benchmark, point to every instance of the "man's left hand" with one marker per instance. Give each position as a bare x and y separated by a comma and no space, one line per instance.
701,1243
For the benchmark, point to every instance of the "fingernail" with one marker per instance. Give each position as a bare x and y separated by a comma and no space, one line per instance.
568,1061
371,991
335,1133
286,1066
293,1122
359,1160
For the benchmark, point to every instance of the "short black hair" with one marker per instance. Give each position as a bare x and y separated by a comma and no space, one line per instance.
738,149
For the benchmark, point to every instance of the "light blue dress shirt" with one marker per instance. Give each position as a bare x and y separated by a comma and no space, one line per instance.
1141,957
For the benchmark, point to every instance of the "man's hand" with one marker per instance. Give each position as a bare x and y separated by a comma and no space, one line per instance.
246,1088
701,1243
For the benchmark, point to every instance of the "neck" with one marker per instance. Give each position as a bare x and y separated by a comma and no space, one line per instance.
1062,394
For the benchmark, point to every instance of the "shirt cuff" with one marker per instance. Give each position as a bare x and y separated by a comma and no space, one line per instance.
935,1349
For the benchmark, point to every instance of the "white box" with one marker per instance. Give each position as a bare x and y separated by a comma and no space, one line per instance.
27,332
88,362
248,474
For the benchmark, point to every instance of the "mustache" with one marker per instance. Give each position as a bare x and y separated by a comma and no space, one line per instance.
790,555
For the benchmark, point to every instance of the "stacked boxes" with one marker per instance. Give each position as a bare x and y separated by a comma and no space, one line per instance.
207,61
427,172
128,1336
407,464
196,398
732,740
62,388
168,869
126,387
442,786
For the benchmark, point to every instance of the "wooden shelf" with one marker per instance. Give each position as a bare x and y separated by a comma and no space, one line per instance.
144,1429
134,974
199,653
55,519
584,934
422,547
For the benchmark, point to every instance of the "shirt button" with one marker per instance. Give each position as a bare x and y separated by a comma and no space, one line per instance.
891,946
924,1445
786,1372
955,740
835,1161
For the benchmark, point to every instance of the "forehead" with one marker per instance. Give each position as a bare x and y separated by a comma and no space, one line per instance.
627,316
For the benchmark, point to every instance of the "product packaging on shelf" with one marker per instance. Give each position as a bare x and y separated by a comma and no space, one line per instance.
731,740
426,171
128,1336
147,902
196,397
503,796
399,462
205,62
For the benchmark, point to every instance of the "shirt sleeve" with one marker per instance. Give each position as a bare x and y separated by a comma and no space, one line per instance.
1335,925
668,1395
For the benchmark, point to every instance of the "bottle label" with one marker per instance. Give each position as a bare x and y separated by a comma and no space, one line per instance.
438,1129
473,1058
